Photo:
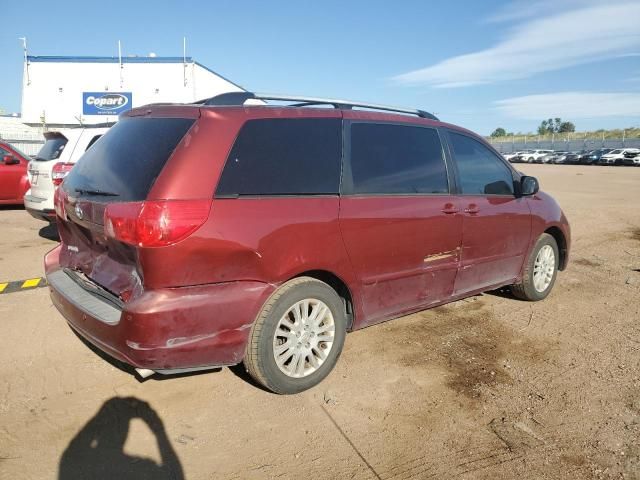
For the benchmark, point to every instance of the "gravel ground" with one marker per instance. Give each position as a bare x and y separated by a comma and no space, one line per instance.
488,387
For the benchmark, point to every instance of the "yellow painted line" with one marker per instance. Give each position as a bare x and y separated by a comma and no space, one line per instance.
3,286
32,282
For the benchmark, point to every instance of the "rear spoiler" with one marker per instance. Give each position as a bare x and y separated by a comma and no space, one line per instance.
53,134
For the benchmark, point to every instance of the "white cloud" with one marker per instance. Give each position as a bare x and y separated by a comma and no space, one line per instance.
582,35
573,105
521,9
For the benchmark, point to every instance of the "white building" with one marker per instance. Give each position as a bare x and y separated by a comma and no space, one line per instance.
67,91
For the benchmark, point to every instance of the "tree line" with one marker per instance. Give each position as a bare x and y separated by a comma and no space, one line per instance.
547,127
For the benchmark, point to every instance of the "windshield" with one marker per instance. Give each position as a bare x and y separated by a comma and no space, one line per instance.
52,148
616,151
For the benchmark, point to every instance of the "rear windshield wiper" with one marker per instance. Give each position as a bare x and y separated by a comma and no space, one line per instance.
89,191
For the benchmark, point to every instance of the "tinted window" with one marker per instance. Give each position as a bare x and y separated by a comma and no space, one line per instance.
396,159
284,157
128,158
481,171
92,141
52,148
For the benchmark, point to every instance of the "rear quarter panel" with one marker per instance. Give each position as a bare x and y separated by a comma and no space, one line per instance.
266,239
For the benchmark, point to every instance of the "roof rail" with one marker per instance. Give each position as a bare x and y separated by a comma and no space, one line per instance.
238,98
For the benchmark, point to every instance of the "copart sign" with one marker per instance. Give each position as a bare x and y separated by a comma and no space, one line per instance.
105,103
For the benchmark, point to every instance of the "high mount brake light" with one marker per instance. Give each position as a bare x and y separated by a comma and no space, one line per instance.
155,223
60,170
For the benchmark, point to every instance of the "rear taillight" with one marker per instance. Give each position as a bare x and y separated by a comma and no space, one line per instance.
59,197
60,170
154,223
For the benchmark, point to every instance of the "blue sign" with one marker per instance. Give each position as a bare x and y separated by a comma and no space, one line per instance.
105,103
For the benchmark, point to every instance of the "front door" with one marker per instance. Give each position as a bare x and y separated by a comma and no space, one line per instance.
497,224
401,226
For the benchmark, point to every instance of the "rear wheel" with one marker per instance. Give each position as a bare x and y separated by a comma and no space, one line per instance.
297,337
540,270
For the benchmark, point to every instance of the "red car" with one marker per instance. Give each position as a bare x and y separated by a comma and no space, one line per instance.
209,234
14,182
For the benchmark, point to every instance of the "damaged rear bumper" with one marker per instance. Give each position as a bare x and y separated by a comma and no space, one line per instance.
165,330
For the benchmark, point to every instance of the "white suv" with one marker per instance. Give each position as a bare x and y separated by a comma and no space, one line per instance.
616,157
534,156
60,152
511,156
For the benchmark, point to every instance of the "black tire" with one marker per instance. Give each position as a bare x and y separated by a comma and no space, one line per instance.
525,290
530,160
259,358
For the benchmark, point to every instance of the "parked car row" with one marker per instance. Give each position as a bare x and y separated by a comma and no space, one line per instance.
32,180
600,156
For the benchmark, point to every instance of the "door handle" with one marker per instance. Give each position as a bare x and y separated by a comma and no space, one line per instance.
472,209
450,209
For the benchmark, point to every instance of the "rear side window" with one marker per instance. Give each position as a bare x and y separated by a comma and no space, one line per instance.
52,148
128,158
284,157
400,159
92,141
481,171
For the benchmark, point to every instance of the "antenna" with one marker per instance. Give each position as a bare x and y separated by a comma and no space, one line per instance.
184,59
120,62
26,59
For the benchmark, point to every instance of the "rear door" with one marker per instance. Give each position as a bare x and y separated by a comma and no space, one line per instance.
497,224
401,226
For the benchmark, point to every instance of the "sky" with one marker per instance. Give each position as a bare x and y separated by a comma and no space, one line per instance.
478,64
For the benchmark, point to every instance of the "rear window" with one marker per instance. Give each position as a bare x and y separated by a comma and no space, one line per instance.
52,148
128,158
284,157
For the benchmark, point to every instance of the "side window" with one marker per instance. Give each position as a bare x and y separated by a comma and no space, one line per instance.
284,157
481,171
387,158
92,141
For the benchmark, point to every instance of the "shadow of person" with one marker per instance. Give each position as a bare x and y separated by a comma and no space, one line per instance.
97,451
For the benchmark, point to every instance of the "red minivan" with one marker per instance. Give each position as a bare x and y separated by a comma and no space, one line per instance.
209,234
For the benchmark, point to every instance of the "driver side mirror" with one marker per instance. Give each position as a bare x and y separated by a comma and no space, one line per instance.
529,186
10,160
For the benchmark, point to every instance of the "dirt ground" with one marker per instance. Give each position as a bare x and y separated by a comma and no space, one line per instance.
489,387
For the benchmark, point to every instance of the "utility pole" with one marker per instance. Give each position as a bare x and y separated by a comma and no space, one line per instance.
26,58
120,63
184,59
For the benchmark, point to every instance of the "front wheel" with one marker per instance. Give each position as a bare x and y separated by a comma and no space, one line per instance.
297,337
540,270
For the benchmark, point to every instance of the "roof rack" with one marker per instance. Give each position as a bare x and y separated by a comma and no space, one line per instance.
238,99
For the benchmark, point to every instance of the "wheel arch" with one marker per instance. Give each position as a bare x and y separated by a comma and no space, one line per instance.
340,288
561,240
